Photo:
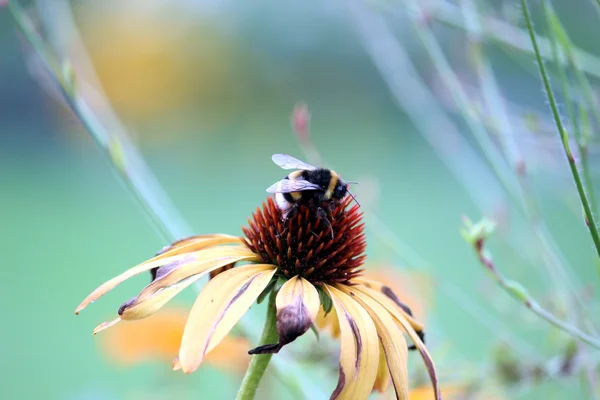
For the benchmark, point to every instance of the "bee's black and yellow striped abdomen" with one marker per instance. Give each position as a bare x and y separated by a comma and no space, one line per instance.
325,178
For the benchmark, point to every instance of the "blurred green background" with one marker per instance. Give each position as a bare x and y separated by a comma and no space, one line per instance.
206,90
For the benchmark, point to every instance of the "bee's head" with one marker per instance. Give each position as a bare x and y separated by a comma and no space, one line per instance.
340,190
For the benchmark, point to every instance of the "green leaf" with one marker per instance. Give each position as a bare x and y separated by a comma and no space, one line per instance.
325,300
315,331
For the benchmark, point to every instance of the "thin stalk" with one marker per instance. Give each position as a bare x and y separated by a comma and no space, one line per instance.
259,362
581,126
590,220
501,32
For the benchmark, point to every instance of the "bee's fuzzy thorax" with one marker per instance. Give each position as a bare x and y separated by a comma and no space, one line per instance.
302,244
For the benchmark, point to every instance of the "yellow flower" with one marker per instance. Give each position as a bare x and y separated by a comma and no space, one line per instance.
318,273
158,337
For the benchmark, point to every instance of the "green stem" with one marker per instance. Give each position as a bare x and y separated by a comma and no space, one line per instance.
590,220
259,362
557,34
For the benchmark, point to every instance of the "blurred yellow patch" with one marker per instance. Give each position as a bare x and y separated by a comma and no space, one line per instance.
158,337
450,393
153,59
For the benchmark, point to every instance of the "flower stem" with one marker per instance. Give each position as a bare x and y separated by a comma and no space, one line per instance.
590,219
259,362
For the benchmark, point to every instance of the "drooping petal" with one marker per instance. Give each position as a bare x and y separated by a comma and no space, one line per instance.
214,258
133,309
218,308
402,319
383,373
297,305
183,258
391,338
414,289
389,301
106,325
359,355
195,243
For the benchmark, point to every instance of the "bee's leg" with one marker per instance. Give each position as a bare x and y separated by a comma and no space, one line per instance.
323,215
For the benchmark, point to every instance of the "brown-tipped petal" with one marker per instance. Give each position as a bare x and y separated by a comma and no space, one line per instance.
182,259
106,325
138,269
218,308
359,355
408,328
134,309
297,305
391,338
389,303
208,261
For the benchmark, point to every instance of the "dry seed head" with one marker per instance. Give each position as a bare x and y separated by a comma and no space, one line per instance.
302,244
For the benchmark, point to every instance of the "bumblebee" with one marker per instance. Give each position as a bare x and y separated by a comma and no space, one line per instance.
309,185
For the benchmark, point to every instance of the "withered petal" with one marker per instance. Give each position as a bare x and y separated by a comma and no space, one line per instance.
297,305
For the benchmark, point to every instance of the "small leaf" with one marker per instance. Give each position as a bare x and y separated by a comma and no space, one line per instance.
315,331
326,302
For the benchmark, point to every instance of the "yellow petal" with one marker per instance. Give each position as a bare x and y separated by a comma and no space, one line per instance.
413,288
389,303
329,321
297,290
214,258
218,308
196,243
106,325
359,355
408,328
297,305
163,259
391,337
383,374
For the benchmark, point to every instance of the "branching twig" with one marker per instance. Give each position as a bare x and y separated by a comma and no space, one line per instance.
476,235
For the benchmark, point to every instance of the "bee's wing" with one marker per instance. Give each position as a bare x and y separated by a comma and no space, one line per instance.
288,185
289,162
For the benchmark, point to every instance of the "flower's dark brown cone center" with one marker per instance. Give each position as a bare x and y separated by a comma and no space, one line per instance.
303,243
